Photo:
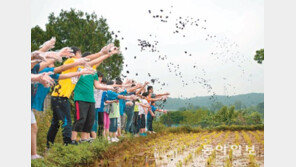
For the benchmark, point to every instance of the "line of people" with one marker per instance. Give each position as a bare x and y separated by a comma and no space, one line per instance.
102,108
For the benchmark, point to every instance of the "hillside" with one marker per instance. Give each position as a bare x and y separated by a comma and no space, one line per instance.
246,100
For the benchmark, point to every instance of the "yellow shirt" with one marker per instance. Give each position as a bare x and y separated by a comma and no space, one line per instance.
65,87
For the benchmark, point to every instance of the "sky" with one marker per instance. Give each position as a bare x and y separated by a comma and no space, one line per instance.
224,63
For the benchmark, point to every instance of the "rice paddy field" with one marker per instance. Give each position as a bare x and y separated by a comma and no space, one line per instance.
206,148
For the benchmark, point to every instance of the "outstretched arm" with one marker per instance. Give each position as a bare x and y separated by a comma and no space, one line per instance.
65,52
131,97
155,99
48,45
163,94
141,88
99,60
133,89
74,74
65,67
102,87
159,110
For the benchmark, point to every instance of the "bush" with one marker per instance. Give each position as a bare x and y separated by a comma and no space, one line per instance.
158,126
68,156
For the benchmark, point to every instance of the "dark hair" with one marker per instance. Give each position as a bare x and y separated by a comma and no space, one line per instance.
152,102
100,74
145,94
149,87
104,80
133,85
118,81
110,82
85,54
75,49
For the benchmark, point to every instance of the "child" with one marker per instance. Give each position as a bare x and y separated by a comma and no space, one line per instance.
113,97
100,98
114,115
135,119
150,116
143,110
84,100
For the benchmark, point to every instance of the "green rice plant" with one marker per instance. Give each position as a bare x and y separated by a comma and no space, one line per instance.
236,140
252,160
228,162
258,138
211,158
179,164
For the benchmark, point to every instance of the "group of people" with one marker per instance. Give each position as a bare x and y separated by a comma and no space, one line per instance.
102,108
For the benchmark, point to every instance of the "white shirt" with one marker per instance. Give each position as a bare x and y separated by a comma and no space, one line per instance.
98,97
142,109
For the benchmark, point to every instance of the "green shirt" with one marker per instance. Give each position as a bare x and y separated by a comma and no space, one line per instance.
115,112
84,89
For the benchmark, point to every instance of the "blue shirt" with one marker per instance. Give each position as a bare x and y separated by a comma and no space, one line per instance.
111,95
103,99
41,92
122,102
153,109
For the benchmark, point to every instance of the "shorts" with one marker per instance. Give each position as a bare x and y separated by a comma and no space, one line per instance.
142,121
113,125
106,121
84,116
33,119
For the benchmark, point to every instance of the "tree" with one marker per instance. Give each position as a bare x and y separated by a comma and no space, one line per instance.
86,31
238,105
216,106
259,57
260,108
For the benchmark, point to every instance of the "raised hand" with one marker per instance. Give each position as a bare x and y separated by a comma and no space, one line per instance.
49,44
37,56
66,52
46,80
114,50
167,93
106,49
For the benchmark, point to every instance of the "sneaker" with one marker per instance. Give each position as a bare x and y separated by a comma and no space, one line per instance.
116,139
74,142
153,132
108,138
149,132
36,156
85,140
90,140
113,140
